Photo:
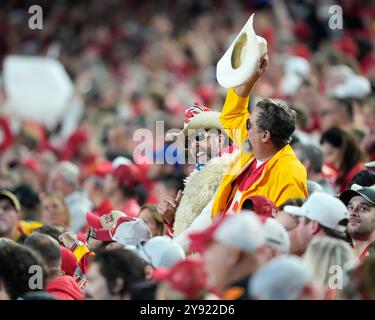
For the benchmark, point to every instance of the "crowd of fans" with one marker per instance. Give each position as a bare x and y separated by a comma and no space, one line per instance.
100,222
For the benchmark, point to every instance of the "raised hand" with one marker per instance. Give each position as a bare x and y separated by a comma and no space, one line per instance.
168,206
245,89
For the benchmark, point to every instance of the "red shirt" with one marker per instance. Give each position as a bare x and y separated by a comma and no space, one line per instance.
104,208
244,181
131,208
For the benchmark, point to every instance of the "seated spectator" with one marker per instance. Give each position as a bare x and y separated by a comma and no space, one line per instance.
311,157
112,274
342,154
11,225
63,287
324,256
284,278
54,211
361,227
241,240
15,276
186,280
160,252
321,214
277,238
64,178
94,188
150,215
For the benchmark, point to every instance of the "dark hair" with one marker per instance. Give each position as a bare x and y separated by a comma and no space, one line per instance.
313,153
120,263
15,263
47,247
298,202
278,119
365,178
351,154
51,231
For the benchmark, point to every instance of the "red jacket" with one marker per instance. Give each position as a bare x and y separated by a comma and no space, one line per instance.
65,288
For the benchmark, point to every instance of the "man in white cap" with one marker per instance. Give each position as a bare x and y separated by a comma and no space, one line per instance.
361,227
322,214
284,278
277,238
233,248
266,164
205,141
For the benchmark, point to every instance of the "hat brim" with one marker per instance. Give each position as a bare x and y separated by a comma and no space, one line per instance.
203,120
93,220
12,198
295,211
347,195
104,235
255,47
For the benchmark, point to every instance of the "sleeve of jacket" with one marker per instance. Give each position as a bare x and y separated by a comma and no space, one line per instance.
234,115
294,186
83,254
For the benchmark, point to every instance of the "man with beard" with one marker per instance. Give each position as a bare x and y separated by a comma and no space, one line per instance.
266,164
361,227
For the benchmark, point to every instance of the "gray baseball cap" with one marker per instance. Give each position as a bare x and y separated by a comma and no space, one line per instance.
368,193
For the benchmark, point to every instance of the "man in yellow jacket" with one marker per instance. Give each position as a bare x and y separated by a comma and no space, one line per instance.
266,164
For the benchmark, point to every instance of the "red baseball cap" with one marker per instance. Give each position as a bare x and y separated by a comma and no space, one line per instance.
68,261
105,221
261,205
201,240
127,174
103,168
188,277
127,231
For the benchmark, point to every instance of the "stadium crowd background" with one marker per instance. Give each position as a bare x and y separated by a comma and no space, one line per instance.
136,62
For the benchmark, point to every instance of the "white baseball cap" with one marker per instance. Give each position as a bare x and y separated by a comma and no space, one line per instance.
243,231
323,208
160,252
127,231
276,235
283,278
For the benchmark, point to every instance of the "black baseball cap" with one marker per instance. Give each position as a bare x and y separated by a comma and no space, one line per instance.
368,193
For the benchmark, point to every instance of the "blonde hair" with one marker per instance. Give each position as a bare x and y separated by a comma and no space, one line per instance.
60,198
325,252
156,216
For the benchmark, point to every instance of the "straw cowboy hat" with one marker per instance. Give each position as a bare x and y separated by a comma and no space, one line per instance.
198,117
242,58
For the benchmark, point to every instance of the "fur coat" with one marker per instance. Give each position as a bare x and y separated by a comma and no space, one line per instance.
200,187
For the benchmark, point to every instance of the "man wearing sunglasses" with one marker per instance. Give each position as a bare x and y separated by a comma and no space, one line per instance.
207,146
266,164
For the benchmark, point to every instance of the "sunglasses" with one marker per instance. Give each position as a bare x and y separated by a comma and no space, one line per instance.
198,137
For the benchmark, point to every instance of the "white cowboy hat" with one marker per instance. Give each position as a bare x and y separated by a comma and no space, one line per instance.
198,117
242,58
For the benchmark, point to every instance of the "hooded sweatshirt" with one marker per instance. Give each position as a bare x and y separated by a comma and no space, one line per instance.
65,288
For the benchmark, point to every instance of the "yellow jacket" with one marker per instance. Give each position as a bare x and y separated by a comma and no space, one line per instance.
283,177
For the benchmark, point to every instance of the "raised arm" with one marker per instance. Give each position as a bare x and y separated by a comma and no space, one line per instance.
235,110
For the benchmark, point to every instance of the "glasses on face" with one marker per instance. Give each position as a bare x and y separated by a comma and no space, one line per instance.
198,137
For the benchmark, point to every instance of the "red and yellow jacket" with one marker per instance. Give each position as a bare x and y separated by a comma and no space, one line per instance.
283,177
